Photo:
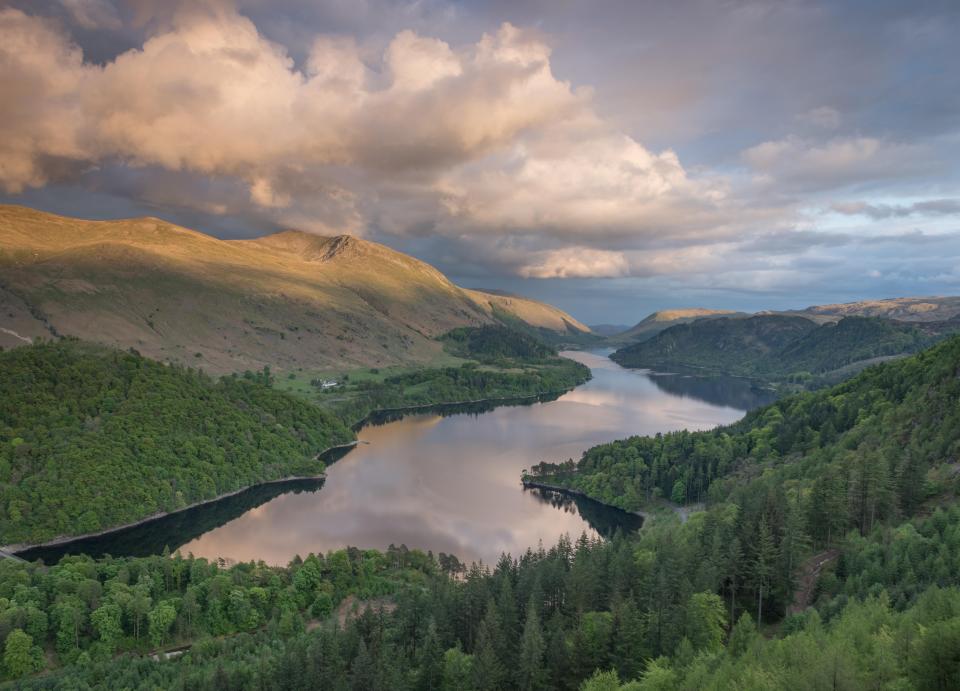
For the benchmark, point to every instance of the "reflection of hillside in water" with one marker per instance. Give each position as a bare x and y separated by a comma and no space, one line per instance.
174,530
606,520
732,392
450,409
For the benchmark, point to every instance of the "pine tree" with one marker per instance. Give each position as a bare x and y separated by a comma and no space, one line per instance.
733,565
531,674
488,672
363,673
431,661
792,544
764,558
509,638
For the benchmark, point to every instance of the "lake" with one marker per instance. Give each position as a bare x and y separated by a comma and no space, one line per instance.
446,481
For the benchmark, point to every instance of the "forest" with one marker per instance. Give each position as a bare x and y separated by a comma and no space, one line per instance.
669,609
495,344
92,438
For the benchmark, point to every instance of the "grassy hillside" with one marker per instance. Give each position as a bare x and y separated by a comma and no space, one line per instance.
92,438
528,313
288,300
781,347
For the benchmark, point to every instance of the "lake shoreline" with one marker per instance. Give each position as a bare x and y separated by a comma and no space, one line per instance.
683,512
570,492
16,548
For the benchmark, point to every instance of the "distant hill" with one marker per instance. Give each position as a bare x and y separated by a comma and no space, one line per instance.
287,300
664,319
778,346
912,309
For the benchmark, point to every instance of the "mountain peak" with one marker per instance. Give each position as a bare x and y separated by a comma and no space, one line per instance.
341,245
318,248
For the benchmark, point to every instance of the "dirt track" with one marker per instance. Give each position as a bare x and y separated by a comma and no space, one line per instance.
810,571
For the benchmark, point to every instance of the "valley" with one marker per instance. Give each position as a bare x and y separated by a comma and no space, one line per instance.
413,345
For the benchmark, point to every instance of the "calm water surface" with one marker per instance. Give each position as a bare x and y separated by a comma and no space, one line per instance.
448,483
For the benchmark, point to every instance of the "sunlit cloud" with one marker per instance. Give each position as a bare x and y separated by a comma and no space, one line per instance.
576,262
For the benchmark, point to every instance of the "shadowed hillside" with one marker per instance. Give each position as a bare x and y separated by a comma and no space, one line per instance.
780,346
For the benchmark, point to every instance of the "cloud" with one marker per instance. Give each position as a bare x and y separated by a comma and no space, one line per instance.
481,135
211,94
794,163
793,242
931,207
41,78
581,180
576,262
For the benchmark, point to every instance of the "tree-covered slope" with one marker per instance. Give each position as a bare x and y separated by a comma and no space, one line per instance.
495,344
873,447
733,345
777,347
92,438
639,614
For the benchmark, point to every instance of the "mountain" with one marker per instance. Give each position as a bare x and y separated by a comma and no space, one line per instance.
778,346
912,309
287,300
664,319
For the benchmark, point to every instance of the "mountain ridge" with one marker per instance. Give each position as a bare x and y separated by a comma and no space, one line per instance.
288,300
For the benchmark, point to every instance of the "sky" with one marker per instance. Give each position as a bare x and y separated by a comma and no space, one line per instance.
611,157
